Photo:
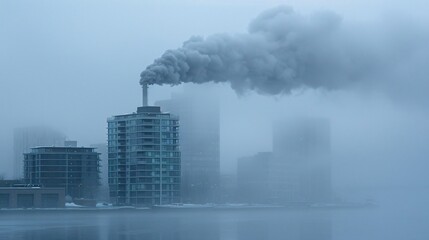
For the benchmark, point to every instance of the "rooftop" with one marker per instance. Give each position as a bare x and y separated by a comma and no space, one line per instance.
63,149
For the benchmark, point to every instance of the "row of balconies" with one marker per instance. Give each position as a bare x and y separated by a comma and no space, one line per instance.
144,179
166,161
151,130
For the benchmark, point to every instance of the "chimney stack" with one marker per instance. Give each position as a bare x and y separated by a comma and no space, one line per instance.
145,97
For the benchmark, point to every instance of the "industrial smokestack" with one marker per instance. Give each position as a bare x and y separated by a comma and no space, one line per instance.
145,96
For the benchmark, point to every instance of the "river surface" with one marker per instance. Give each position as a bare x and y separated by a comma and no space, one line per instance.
404,219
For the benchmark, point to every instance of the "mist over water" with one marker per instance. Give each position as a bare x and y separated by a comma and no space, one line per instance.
361,65
396,218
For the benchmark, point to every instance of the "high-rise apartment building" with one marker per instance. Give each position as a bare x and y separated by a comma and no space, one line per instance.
29,137
76,169
200,142
144,158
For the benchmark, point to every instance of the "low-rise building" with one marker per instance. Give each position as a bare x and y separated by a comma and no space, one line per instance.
31,197
76,169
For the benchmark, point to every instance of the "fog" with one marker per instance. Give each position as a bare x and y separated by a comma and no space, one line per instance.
362,65
66,64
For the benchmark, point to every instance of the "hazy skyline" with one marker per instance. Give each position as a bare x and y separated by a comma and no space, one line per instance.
73,64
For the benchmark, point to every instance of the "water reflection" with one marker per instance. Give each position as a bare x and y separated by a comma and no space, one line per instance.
177,225
400,215
286,225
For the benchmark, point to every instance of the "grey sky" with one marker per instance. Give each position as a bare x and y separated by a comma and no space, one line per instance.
72,64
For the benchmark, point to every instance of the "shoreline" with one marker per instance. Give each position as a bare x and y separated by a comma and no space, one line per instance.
192,207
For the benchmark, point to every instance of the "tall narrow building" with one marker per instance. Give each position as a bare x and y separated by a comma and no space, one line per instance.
144,158
198,109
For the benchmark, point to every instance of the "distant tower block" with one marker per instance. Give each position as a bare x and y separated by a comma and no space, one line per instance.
145,94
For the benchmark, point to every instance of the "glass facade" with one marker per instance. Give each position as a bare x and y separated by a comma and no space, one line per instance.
76,169
144,158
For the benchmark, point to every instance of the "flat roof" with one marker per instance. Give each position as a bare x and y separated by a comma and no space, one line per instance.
30,188
39,147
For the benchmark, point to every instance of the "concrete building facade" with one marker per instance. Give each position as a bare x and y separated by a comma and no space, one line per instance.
76,169
144,158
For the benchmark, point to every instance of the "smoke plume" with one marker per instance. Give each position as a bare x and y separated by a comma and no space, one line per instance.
282,51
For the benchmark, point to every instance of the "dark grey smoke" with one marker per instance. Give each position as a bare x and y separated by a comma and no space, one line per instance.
283,50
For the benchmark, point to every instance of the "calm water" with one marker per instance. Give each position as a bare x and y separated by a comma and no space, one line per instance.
394,219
